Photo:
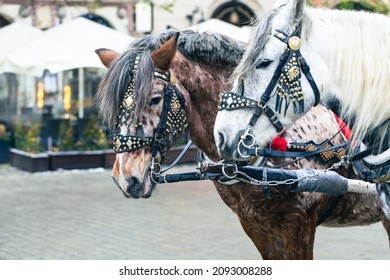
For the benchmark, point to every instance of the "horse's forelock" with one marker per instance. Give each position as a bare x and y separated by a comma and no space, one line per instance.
258,38
143,82
114,84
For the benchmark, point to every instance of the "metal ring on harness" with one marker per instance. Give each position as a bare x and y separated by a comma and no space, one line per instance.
244,137
247,135
239,150
154,166
251,138
234,172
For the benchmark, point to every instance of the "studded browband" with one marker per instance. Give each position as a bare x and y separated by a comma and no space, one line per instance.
230,101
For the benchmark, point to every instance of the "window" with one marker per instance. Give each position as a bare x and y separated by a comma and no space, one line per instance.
235,13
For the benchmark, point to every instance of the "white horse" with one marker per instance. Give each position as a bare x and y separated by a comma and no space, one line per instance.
349,57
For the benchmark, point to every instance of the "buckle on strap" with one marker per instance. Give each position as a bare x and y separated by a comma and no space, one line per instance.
261,105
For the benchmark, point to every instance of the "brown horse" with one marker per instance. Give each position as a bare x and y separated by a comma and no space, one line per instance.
282,226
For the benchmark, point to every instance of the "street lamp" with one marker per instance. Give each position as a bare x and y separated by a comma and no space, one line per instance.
24,10
61,12
190,17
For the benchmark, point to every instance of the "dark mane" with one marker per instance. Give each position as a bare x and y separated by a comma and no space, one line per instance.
205,48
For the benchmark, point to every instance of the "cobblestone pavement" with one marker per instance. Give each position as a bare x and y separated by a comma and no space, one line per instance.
82,215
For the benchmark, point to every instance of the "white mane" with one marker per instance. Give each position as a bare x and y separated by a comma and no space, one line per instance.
356,46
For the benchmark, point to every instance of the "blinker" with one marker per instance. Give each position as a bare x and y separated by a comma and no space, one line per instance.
175,121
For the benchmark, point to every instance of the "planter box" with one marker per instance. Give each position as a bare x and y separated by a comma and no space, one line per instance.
76,159
80,159
29,162
109,158
4,152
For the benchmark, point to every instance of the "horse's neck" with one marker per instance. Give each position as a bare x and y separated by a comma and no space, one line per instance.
203,84
355,49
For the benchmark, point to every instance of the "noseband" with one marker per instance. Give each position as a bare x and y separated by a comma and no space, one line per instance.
286,79
172,121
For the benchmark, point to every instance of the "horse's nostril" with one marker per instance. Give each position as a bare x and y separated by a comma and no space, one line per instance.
221,141
131,181
134,187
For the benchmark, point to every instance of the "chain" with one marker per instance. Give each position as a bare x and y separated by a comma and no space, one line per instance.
343,162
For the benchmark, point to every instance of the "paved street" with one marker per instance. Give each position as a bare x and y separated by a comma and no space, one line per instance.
82,215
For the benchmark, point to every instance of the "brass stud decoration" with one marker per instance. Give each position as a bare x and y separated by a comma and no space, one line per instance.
288,88
230,101
294,43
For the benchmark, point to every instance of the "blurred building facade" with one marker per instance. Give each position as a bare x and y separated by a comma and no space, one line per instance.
137,16
131,16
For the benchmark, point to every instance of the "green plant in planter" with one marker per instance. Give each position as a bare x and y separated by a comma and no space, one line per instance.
27,138
65,140
94,137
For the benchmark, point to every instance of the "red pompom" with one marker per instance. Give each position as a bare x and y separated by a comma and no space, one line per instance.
279,144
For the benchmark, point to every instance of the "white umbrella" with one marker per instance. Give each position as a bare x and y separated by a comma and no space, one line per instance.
67,46
12,37
222,27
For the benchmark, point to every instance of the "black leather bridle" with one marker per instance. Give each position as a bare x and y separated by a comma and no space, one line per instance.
286,79
172,121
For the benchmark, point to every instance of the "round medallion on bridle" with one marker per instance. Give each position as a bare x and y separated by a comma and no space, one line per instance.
294,43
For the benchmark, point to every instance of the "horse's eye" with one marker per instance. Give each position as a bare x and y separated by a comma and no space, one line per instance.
155,101
264,64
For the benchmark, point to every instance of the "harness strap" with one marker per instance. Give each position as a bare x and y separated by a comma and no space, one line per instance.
262,104
160,131
306,70
169,91
191,176
274,153
360,155
273,119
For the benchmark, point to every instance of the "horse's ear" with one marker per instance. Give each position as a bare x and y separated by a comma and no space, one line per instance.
292,10
298,6
106,56
162,57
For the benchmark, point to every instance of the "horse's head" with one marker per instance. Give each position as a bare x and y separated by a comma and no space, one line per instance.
271,88
139,99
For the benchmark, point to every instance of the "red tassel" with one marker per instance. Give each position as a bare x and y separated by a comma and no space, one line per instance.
279,144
